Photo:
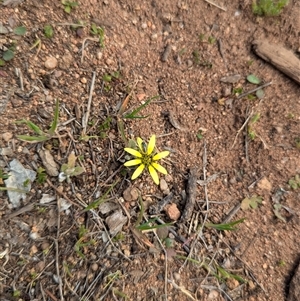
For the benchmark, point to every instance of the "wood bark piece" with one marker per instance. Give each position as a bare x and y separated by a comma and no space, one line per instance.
283,59
191,195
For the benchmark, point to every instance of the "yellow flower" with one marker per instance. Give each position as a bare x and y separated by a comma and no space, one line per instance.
146,158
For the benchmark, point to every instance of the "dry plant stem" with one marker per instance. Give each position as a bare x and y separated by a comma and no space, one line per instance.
89,104
83,46
191,195
57,252
199,235
243,126
222,53
254,90
63,194
246,140
231,213
20,75
216,5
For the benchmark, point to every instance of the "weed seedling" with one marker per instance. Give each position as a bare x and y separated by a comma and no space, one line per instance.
41,136
105,127
294,182
70,170
99,32
41,175
69,5
211,40
48,31
250,130
269,8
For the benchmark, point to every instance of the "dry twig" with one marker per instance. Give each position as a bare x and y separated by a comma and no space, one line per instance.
87,115
216,5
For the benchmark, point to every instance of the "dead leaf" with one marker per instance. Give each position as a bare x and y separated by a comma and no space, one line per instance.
252,202
49,163
277,208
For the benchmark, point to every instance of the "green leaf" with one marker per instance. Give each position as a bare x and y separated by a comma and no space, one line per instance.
253,79
2,63
8,55
20,31
31,125
252,202
134,113
260,93
67,9
223,227
48,31
32,139
55,119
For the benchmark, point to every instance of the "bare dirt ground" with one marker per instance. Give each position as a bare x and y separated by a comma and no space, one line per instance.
178,51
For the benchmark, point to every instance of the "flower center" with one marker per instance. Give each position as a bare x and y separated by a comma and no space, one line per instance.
146,159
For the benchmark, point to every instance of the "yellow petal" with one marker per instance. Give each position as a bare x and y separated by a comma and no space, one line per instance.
133,152
161,155
138,171
139,142
133,162
151,145
153,174
159,168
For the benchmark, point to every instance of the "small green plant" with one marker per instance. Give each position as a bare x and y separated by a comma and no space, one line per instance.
225,227
105,127
48,31
294,182
134,113
237,91
108,78
41,136
8,54
82,242
200,135
41,175
250,130
222,274
269,8
145,158
196,57
101,200
211,40
99,32
281,263
20,31
3,175
69,169
69,5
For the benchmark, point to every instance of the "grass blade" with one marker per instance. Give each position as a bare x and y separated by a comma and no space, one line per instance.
223,227
95,204
31,125
55,119
32,139
134,113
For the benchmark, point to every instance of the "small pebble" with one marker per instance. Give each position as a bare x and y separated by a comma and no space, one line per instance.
51,63
176,276
144,25
172,212
163,185
83,80
7,136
